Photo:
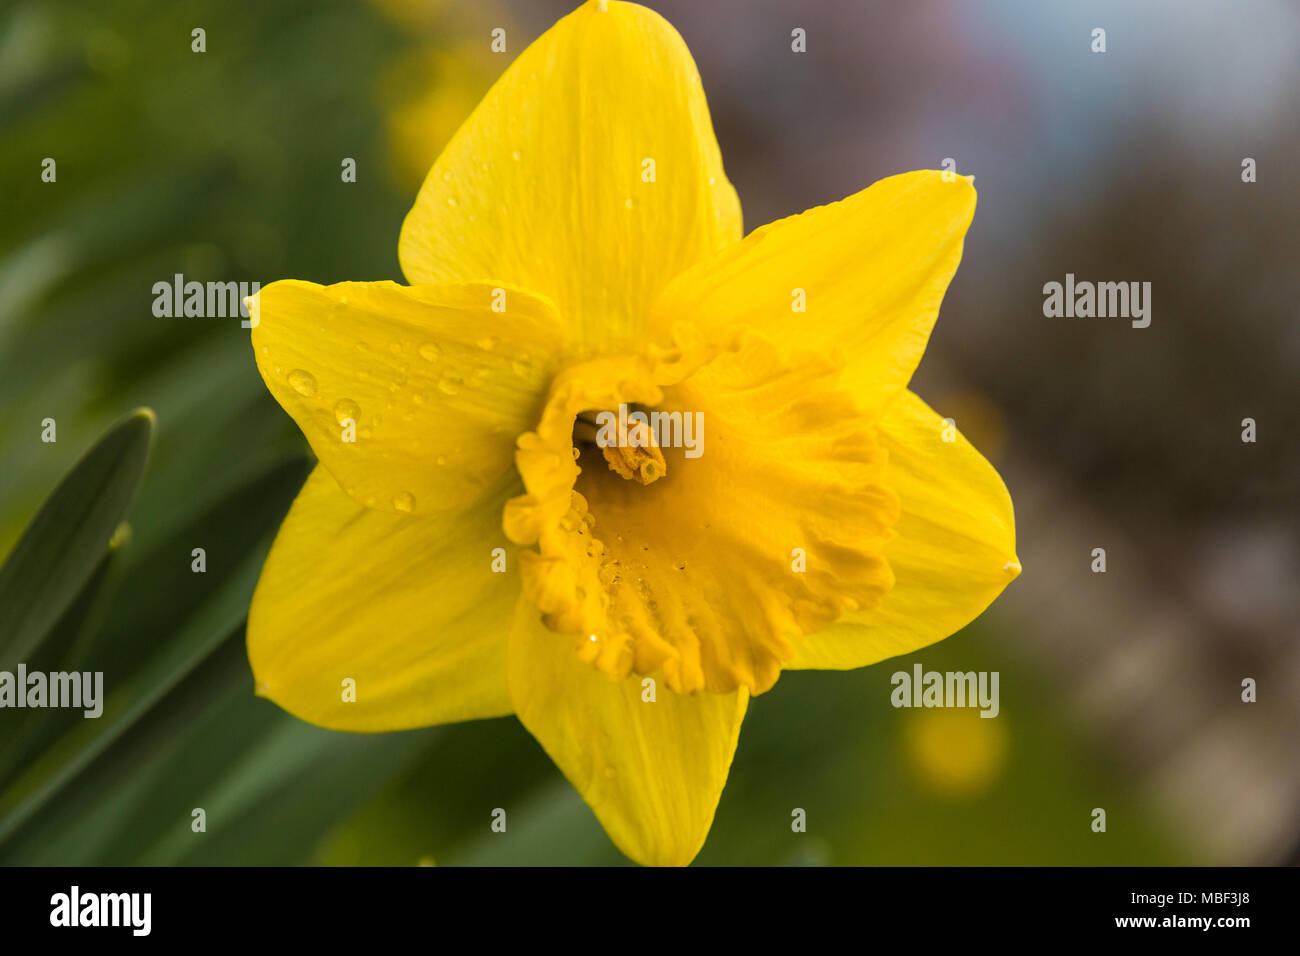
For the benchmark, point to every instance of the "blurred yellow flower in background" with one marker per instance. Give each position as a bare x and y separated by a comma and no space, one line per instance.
425,96
955,753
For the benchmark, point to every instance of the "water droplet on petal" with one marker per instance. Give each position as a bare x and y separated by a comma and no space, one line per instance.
303,382
405,502
451,201
514,154
441,459
487,343
430,352
345,408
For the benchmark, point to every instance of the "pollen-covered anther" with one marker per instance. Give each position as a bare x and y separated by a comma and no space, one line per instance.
634,455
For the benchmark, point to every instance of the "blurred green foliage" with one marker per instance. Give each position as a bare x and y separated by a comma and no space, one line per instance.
225,166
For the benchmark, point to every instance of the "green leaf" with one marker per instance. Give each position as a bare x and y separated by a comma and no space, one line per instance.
60,550
30,730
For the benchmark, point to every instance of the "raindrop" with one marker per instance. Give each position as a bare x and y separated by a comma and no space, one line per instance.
430,352
345,408
405,502
303,382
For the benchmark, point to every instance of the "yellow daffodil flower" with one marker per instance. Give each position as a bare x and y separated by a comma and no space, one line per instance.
462,550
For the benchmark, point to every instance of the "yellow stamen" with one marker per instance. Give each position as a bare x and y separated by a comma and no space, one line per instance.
636,457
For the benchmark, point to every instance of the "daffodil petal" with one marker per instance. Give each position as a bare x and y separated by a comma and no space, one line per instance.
651,770
406,608
953,553
589,173
858,280
411,397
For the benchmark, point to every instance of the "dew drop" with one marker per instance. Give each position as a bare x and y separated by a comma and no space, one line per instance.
628,203
303,382
487,343
430,352
345,408
514,154
442,459
451,201
448,386
405,502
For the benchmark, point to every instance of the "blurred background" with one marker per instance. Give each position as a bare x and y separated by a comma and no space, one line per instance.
1119,690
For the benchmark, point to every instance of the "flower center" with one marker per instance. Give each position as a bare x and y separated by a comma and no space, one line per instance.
707,578
627,444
